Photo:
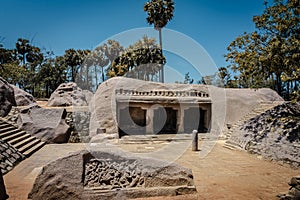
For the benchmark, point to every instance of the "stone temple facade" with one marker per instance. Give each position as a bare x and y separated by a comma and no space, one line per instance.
123,106
162,111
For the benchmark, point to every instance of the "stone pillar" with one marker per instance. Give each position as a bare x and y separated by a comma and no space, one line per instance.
195,140
149,120
181,118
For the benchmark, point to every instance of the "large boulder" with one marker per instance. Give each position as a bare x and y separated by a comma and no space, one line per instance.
88,95
228,106
106,174
23,98
46,124
294,191
7,99
9,157
240,102
274,134
67,94
104,109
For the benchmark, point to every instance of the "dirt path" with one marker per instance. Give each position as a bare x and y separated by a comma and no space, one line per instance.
222,174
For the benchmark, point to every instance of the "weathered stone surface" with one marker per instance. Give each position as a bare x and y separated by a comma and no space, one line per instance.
9,157
227,105
240,102
88,95
7,99
68,94
23,98
294,191
46,124
103,105
79,124
107,175
273,134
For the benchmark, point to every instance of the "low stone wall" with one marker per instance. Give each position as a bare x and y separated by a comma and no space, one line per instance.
9,157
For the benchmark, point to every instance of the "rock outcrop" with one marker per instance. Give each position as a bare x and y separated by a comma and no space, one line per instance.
68,94
294,191
9,157
274,134
88,96
46,124
23,98
240,102
106,175
7,98
227,105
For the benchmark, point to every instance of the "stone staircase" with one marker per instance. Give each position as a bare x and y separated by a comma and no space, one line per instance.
22,141
237,143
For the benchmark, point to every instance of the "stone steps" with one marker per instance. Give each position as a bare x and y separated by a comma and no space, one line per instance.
263,107
22,141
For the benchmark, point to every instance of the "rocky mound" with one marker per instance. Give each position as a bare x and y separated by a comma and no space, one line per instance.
7,98
9,157
69,94
46,124
23,98
227,105
294,191
110,175
275,134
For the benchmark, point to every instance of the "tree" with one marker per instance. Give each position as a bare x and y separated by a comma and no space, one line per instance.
23,47
9,66
160,12
52,73
270,56
73,59
103,57
141,60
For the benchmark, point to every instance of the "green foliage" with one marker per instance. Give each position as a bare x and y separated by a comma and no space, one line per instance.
270,56
187,79
36,72
52,73
160,12
142,60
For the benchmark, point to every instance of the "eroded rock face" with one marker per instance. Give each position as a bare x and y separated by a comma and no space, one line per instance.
46,124
227,105
294,191
67,94
7,98
107,175
9,157
274,134
23,98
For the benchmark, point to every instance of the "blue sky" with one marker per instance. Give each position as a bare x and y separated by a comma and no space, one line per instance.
58,25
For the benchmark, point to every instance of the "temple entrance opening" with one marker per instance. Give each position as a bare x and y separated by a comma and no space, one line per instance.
194,119
162,112
165,120
132,120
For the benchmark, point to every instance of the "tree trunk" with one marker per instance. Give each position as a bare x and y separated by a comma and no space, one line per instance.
162,67
87,78
278,84
102,74
96,76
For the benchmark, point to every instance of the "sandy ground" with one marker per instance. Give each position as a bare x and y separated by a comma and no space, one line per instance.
222,174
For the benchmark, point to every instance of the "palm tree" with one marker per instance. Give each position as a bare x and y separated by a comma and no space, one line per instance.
160,12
